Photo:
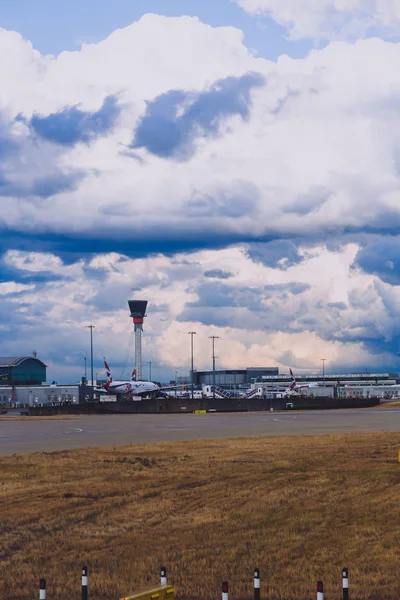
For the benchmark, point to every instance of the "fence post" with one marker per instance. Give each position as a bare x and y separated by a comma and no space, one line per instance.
320,590
225,590
163,575
84,583
257,591
345,583
42,587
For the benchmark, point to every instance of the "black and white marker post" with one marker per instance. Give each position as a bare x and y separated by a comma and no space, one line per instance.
42,588
257,591
163,575
225,590
320,590
345,583
84,583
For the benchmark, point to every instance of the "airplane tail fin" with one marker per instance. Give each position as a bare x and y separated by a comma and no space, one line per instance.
294,383
109,376
133,377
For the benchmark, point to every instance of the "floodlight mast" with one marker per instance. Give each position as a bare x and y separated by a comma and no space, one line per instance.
138,312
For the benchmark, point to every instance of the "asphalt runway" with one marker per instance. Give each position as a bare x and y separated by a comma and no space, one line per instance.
21,436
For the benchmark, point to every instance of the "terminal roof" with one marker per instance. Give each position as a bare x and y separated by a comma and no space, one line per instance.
15,361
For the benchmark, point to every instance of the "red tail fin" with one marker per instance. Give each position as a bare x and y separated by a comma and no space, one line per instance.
109,376
293,384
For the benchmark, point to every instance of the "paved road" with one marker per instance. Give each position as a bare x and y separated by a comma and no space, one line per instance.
94,430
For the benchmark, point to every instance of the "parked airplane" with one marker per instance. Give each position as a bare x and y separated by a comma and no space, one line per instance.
130,388
295,387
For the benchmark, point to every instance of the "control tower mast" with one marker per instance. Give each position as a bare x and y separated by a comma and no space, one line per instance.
138,312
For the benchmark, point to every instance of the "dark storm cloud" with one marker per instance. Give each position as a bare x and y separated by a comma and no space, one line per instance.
134,244
210,316
271,253
217,294
174,120
381,257
43,187
218,274
8,145
8,150
17,175
223,305
73,125
55,184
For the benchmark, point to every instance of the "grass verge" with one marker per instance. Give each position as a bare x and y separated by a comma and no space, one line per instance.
391,404
300,508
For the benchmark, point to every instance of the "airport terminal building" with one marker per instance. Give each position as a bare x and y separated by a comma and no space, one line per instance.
40,395
231,379
336,384
22,370
22,383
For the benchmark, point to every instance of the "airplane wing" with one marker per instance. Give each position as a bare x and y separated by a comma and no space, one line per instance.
307,385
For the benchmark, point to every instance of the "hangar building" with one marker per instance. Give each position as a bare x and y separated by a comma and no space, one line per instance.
22,370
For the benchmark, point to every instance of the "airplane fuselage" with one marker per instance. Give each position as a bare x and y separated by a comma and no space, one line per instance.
131,387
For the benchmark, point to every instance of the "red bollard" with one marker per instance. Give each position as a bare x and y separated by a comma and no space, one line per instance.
225,590
320,590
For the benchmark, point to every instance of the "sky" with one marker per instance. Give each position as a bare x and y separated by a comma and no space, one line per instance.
235,163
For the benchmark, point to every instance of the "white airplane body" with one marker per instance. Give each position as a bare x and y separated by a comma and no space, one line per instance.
131,387
295,387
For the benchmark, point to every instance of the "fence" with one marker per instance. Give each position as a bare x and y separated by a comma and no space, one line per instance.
167,592
162,592
320,586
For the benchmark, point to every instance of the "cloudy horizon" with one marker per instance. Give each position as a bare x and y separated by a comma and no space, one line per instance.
237,167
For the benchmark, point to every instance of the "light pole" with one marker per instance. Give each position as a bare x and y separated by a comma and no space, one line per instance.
323,370
213,338
91,327
149,370
84,358
192,333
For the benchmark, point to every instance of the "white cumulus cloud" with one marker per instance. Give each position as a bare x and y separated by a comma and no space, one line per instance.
329,19
314,147
323,306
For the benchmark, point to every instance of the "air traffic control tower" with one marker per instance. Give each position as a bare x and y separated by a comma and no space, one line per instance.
138,312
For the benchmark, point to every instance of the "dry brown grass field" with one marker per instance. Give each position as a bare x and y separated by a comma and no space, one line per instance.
300,508
394,404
